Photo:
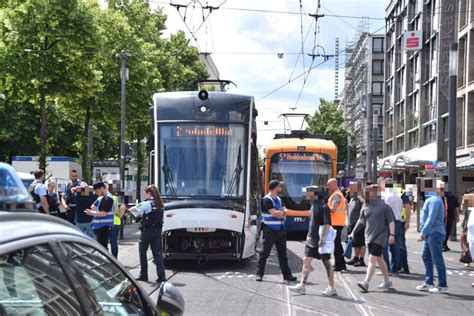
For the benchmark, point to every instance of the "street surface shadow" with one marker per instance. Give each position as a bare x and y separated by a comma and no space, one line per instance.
398,292
412,276
460,297
335,297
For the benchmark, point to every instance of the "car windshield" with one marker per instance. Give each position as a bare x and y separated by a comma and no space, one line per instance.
12,189
202,159
299,170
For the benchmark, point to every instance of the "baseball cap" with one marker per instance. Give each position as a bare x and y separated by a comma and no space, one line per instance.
273,184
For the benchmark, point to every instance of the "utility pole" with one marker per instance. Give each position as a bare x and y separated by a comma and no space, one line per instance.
375,143
370,113
349,153
123,79
452,178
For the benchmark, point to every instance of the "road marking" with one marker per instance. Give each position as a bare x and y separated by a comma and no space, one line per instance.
362,309
288,304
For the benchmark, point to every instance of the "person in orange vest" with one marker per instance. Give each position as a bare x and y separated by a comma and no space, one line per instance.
338,205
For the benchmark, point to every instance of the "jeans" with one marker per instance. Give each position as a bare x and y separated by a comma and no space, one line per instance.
403,248
151,236
114,233
432,253
394,265
86,228
339,261
277,237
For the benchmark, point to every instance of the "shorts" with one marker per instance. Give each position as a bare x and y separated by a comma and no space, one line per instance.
314,253
375,249
359,239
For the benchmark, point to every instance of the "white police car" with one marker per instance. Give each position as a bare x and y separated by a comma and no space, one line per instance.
47,267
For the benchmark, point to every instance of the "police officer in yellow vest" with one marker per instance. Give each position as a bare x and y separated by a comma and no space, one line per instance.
338,205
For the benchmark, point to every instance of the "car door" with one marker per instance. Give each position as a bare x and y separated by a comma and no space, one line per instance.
33,282
112,288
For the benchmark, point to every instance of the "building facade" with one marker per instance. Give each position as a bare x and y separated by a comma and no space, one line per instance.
363,91
465,96
417,85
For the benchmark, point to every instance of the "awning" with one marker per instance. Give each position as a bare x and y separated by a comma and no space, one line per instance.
412,158
465,163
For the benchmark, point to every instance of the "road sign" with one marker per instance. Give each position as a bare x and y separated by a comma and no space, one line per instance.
359,173
412,40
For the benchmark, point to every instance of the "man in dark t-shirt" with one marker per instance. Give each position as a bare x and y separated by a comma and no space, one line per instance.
320,238
452,216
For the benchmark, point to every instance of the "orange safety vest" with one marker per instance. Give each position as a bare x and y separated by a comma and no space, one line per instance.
338,216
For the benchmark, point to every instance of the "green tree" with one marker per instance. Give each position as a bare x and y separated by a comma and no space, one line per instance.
329,120
48,50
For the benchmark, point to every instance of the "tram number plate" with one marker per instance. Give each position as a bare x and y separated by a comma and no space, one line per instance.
201,229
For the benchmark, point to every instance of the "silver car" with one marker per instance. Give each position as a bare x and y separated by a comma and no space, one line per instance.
47,267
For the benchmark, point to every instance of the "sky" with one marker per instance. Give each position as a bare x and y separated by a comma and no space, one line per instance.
244,46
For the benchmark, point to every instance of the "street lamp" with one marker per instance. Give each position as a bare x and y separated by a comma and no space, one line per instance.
453,69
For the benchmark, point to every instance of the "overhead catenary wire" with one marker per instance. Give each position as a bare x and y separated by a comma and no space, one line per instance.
358,17
313,67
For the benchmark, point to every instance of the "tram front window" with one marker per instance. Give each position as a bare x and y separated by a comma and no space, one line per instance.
299,170
202,160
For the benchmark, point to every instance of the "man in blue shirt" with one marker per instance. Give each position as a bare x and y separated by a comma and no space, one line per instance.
432,233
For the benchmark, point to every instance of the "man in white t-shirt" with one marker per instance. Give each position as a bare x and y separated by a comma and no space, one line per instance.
395,202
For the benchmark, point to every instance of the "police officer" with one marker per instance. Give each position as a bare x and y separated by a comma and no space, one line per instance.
39,193
53,200
152,209
273,221
69,200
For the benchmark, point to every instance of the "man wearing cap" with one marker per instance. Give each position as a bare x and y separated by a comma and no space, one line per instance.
273,222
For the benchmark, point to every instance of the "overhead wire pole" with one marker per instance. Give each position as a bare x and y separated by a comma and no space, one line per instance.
123,82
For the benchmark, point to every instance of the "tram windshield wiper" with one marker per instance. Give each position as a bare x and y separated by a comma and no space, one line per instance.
169,180
235,180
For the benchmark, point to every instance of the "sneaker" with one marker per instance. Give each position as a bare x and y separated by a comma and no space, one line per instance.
140,278
446,248
352,261
300,289
259,278
330,291
360,263
424,287
364,286
291,279
405,270
439,290
385,285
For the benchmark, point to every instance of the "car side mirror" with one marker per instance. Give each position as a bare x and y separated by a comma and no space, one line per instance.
170,299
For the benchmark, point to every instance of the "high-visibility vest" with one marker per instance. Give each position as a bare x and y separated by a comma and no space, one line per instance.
104,221
274,223
117,220
338,216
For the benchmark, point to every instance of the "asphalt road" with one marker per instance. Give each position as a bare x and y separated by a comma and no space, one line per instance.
229,288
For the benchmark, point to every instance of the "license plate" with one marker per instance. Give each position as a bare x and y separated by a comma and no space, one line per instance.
200,229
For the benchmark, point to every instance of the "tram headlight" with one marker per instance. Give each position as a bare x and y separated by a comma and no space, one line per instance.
203,109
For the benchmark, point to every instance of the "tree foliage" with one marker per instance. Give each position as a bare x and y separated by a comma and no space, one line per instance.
61,65
329,120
